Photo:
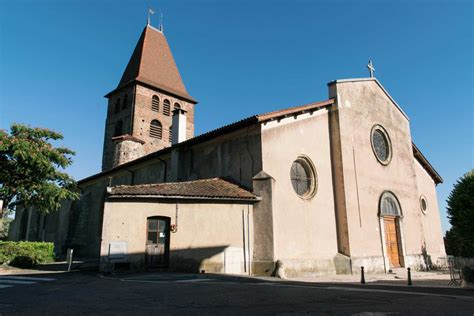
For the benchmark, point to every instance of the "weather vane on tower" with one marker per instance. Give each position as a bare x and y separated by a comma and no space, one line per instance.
150,13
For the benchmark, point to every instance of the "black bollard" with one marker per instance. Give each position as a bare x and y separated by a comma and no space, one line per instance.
409,276
362,277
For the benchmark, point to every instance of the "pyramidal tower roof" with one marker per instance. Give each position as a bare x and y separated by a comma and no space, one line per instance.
152,63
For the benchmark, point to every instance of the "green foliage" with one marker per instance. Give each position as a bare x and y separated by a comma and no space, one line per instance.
25,254
4,226
31,169
460,238
467,274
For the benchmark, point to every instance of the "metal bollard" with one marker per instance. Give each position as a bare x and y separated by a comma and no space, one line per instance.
409,276
362,277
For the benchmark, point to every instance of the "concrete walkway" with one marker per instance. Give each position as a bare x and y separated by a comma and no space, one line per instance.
398,277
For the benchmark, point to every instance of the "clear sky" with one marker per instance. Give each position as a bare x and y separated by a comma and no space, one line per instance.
58,58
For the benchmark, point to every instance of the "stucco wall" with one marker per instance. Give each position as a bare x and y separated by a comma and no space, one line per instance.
361,105
431,221
304,229
207,233
236,155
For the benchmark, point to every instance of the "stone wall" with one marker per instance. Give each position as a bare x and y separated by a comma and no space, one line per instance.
125,115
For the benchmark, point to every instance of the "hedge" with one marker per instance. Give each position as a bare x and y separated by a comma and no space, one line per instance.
25,253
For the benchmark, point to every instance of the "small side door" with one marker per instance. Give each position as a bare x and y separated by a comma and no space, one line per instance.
157,241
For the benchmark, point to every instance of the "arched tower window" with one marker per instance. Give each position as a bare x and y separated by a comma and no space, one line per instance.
125,102
166,107
176,106
155,103
389,205
118,130
156,130
170,137
117,105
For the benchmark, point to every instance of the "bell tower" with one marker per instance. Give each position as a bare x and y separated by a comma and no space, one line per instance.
139,113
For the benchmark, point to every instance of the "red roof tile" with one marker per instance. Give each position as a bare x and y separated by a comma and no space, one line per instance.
215,188
152,63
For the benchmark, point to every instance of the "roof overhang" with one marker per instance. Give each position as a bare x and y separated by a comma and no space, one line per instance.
426,165
155,86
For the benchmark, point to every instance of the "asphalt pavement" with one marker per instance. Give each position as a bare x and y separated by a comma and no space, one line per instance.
90,293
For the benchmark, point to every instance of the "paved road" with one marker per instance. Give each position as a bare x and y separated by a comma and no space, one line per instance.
177,294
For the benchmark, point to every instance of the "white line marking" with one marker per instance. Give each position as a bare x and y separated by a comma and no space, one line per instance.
5,286
16,282
18,277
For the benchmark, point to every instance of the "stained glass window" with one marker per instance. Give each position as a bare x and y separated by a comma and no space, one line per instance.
389,205
381,145
302,177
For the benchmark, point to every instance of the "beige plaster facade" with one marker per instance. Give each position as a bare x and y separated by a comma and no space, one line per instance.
210,236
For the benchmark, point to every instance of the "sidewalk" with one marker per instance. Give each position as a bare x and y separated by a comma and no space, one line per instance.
399,277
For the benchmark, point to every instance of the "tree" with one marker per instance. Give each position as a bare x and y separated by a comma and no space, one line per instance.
32,169
460,238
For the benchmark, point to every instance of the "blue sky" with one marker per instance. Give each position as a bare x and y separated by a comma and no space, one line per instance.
238,58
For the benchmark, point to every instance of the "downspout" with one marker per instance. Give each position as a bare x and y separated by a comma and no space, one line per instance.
166,168
132,178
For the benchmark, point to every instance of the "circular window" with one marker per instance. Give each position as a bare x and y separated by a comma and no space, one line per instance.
423,204
303,177
381,144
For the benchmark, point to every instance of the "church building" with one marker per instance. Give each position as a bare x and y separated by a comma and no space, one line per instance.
321,188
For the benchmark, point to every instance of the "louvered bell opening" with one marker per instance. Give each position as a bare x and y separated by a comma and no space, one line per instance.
166,108
155,104
156,130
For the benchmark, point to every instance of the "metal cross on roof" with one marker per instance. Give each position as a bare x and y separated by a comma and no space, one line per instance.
371,68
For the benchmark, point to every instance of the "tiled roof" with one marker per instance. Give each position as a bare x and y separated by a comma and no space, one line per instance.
215,188
426,165
152,63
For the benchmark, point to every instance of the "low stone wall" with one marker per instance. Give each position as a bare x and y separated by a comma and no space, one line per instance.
307,267
373,264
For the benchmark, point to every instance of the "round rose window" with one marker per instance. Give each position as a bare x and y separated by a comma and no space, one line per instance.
381,144
303,177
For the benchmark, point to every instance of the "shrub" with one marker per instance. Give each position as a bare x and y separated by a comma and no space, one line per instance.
25,254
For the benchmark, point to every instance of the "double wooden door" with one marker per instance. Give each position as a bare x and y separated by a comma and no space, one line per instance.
392,241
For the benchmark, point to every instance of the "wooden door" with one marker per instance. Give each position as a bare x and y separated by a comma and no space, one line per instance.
157,244
391,241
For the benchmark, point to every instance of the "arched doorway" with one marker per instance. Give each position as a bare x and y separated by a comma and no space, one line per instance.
157,241
390,215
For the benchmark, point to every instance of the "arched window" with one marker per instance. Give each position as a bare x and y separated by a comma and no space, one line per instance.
117,105
166,107
156,130
155,103
389,205
176,106
170,138
125,102
118,128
